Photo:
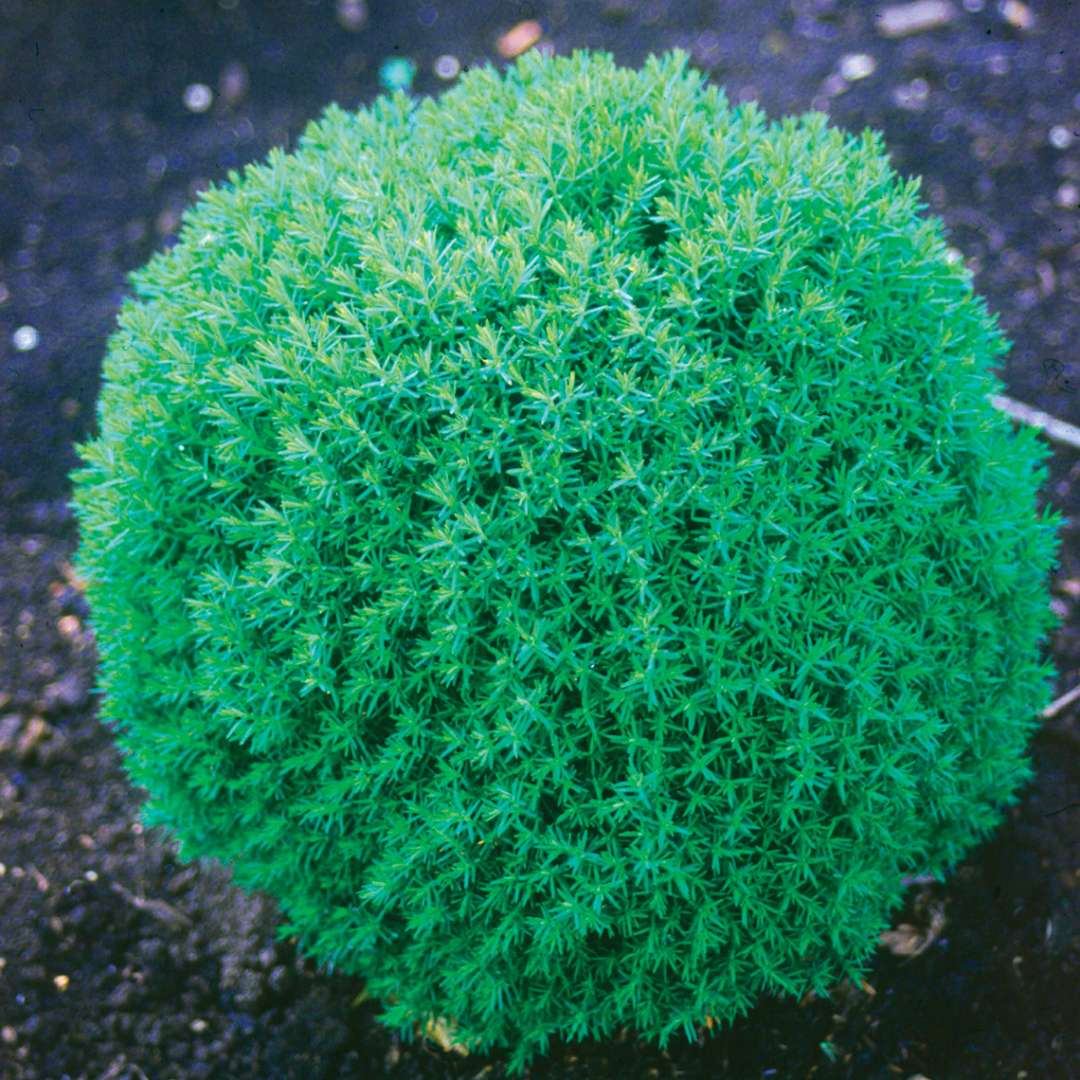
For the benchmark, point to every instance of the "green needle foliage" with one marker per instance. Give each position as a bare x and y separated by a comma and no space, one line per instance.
554,539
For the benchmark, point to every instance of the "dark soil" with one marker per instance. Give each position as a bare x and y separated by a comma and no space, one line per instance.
118,963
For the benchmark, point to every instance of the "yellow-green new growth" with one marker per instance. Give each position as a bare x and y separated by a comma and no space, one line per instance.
554,538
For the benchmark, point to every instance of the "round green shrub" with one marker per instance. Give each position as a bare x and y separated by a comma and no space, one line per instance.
555,539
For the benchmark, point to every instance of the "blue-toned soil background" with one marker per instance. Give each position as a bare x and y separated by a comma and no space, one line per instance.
116,963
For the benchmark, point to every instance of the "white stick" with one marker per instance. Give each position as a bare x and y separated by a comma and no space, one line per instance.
1056,706
1051,426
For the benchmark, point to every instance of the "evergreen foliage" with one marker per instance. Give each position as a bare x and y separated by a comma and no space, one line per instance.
554,539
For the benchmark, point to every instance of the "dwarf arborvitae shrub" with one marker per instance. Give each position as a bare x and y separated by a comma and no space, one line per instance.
555,539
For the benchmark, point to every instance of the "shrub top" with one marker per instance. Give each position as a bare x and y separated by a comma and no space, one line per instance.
554,539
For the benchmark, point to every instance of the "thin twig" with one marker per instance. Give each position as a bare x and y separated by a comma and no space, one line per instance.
1051,426
1056,706
158,908
121,1065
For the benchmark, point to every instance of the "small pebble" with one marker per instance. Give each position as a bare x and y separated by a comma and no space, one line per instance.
773,44
1068,196
913,95
10,726
199,1026
198,97
1017,14
65,693
900,20
1060,137
167,221
447,66
705,49
1027,298
834,85
233,82
123,996
519,38
25,339
1071,586
61,982
855,66
8,1034
352,14
1047,277
998,64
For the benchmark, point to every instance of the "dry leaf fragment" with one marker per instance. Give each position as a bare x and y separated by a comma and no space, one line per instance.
905,940
908,940
441,1031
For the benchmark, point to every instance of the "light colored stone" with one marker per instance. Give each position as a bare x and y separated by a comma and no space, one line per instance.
900,20
1017,14
855,66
